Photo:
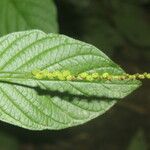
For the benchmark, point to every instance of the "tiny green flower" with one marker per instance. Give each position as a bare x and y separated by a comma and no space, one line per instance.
69,77
61,77
132,77
78,78
145,74
127,75
83,75
95,75
148,76
115,77
105,75
56,74
66,73
89,78
45,73
39,76
50,76
141,76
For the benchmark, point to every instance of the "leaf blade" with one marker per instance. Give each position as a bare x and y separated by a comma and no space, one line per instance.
27,14
44,104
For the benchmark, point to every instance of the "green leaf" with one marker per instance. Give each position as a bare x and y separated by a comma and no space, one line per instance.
17,15
138,142
53,104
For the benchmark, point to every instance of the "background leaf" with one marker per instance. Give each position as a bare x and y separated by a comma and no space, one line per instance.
44,104
138,142
17,15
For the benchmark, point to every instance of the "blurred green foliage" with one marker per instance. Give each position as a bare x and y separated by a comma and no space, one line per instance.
138,142
7,142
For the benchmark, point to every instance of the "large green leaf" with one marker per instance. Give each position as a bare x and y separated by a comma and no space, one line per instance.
17,15
54,104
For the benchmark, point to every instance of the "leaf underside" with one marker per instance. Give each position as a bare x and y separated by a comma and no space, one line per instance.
47,104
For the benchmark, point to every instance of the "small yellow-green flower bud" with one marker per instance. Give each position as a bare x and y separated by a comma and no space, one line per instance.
89,78
127,75
44,73
61,77
66,73
121,77
115,77
50,76
83,75
132,77
148,76
141,76
56,74
69,77
39,76
109,78
95,75
105,75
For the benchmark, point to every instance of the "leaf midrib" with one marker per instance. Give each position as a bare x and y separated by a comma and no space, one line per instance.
6,78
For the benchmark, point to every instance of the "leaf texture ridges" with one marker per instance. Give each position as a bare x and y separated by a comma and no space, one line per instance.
28,14
43,104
